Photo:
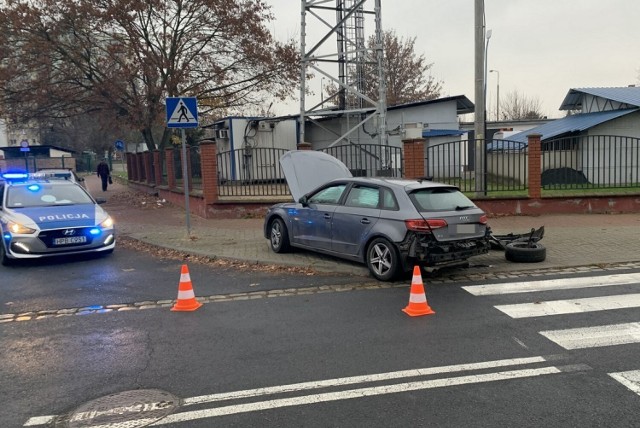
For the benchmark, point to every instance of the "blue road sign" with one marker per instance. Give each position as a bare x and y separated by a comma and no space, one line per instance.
119,145
182,112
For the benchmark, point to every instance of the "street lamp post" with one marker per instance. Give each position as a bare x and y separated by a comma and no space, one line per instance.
322,91
497,94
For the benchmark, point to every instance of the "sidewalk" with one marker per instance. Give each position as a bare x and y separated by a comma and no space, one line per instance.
571,240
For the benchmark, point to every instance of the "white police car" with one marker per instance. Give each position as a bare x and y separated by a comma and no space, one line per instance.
42,218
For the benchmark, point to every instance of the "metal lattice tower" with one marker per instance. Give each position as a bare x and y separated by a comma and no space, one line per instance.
347,62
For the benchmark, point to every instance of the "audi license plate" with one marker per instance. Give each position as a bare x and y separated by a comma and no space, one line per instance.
70,240
466,228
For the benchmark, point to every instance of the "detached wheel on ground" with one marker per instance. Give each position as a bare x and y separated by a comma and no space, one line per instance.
279,236
382,259
524,252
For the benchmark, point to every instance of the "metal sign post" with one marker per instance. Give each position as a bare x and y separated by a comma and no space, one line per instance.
183,113
185,180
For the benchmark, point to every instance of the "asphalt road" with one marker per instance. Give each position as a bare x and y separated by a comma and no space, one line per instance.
308,351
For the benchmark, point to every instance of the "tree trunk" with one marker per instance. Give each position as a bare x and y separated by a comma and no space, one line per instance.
147,136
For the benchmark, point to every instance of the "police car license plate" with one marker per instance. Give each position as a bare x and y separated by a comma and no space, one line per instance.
70,240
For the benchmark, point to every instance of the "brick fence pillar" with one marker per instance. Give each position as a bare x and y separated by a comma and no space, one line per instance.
157,167
413,157
136,166
148,169
209,168
171,172
141,171
304,146
129,157
535,166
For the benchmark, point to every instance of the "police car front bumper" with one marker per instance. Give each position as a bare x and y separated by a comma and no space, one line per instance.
47,243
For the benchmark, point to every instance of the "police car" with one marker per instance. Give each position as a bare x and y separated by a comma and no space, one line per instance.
42,217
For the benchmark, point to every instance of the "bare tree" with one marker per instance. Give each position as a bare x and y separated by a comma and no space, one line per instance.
65,58
517,106
407,74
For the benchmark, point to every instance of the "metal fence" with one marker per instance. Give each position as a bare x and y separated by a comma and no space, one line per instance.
369,160
591,162
196,167
581,162
587,162
251,172
505,165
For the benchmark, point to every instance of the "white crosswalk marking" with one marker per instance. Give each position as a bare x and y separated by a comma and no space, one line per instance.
559,307
572,338
630,379
553,284
598,336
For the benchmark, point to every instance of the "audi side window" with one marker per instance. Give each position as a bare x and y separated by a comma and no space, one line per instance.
363,197
328,195
388,200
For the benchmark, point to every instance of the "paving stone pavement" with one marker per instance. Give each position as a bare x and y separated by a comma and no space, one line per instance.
580,241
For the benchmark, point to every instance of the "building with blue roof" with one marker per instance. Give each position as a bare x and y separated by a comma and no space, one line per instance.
603,111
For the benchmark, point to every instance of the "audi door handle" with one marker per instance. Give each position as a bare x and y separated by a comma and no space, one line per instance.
365,221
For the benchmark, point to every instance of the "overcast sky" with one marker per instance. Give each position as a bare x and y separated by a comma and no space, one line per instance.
541,48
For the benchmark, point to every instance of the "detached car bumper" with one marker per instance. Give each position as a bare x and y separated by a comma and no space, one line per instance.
429,252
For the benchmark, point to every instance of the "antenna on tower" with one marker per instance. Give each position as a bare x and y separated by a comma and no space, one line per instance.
340,54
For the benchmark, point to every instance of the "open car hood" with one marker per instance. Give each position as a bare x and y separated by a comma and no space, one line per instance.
305,170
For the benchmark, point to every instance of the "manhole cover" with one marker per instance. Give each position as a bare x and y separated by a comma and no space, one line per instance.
128,409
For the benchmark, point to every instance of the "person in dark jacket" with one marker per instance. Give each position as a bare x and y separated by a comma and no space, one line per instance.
104,173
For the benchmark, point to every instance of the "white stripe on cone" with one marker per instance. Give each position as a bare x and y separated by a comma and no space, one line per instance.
187,294
417,298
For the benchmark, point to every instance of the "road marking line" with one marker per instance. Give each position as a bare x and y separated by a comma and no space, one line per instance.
593,337
573,306
39,420
630,379
553,284
361,379
355,393
298,387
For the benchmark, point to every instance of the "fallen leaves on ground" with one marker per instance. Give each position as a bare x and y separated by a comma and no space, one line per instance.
138,200
171,254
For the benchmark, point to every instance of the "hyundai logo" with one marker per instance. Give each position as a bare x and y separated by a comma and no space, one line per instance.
69,232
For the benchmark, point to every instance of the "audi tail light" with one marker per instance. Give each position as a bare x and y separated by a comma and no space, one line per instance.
422,225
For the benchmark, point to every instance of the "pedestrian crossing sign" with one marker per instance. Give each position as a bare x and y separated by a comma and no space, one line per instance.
182,112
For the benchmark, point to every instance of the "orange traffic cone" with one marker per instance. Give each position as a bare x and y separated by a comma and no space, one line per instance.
186,298
418,299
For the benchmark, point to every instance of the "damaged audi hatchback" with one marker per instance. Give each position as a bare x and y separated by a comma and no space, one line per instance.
388,224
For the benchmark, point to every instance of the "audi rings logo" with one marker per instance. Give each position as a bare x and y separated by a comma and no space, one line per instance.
69,232
464,218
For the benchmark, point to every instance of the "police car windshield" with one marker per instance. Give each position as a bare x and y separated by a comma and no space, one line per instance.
45,195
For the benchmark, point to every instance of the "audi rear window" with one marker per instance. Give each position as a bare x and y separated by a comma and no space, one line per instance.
440,199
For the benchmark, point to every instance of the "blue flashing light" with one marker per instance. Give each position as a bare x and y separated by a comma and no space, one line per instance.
7,236
33,187
15,176
95,231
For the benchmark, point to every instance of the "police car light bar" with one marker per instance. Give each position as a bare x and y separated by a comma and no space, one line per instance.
15,175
